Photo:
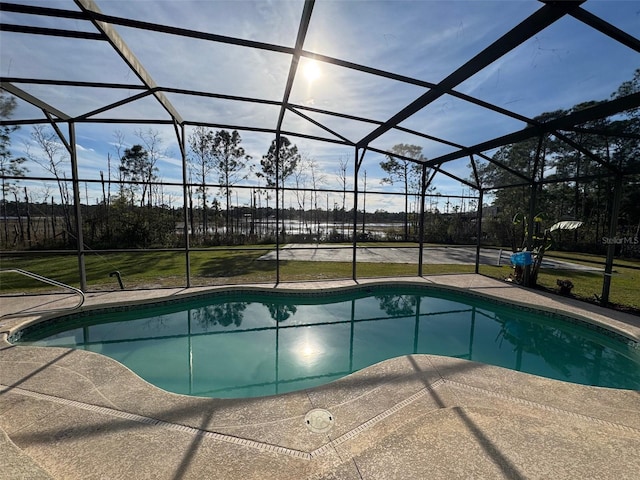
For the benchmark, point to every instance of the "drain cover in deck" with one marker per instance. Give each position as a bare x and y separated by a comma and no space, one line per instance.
319,420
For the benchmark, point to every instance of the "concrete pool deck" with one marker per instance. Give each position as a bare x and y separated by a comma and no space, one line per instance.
69,414
442,255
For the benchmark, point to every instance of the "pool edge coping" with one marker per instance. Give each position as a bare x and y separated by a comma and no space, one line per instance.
480,383
623,327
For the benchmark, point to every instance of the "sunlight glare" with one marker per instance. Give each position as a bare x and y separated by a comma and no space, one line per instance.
308,351
311,70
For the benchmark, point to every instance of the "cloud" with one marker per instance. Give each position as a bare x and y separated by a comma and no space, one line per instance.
562,65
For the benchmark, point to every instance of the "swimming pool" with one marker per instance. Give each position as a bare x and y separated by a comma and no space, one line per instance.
247,343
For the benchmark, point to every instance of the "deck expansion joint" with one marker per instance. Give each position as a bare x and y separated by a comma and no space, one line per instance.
540,406
266,447
376,419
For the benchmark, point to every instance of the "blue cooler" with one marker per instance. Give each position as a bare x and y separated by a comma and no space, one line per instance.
521,259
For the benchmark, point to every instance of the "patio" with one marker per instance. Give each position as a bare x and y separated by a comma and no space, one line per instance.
75,414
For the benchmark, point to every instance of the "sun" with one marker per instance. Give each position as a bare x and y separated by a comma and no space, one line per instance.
311,70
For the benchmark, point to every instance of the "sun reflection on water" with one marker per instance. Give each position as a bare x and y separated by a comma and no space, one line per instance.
308,350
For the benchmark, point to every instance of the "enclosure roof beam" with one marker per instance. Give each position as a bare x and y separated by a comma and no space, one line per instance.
73,83
184,32
27,97
221,96
61,136
113,105
605,27
476,176
252,44
585,151
413,160
50,32
535,23
119,45
265,46
603,133
268,130
43,11
601,110
293,68
320,125
455,177
377,122
552,180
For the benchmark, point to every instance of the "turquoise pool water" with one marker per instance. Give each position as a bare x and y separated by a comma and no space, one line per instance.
248,343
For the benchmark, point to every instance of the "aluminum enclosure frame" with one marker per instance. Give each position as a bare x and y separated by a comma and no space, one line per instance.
105,29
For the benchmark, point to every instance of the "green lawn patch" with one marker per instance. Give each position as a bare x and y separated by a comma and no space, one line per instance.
237,265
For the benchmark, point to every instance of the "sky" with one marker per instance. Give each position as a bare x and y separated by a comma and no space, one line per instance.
563,65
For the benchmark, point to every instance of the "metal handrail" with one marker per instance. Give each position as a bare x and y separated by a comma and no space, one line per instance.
55,283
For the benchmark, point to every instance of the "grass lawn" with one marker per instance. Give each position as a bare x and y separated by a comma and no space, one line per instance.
587,285
235,265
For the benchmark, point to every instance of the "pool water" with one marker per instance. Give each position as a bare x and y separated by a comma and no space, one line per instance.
248,343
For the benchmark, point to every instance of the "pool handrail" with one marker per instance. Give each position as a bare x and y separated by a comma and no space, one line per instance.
50,281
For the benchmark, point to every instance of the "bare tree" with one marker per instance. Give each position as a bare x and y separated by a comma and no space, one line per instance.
10,166
301,181
202,163
119,146
53,157
317,181
342,176
399,168
153,145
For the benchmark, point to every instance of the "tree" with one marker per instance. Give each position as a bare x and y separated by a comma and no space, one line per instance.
152,143
317,179
508,201
585,199
104,218
398,305
230,162
402,165
7,104
137,168
628,88
54,158
150,223
565,194
10,166
281,312
223,314
278,164
625,153
118,144
201,144
342,176
301,181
